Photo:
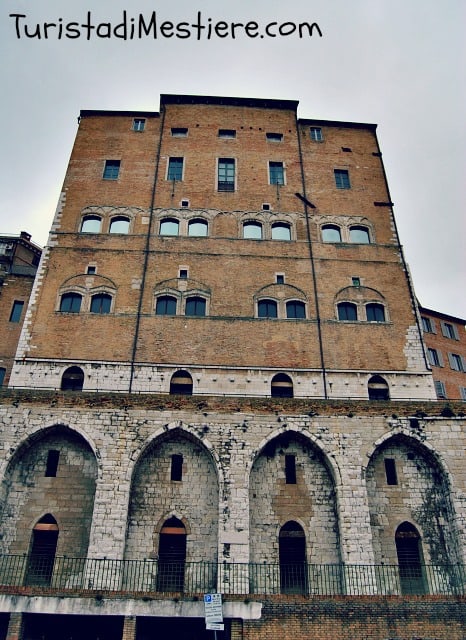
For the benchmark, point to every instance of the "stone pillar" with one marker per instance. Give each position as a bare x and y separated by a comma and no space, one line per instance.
15,627
129,628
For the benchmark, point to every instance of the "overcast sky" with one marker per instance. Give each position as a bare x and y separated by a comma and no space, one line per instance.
397,63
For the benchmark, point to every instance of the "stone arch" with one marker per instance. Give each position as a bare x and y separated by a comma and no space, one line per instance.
33,487
307,494
72,379
155,496
406,481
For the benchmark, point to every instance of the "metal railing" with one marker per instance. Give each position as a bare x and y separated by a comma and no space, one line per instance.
63,574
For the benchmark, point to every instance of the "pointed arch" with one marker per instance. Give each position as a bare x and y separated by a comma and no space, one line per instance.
292,558
410,559
43,548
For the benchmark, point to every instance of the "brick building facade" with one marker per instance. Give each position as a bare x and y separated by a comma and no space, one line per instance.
221,385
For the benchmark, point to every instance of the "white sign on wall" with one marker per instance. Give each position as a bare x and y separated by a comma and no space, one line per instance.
213,611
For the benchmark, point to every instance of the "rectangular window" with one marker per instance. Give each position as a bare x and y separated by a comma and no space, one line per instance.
111,170
449,331
51,468
226,174
390,471
16,311
274,137
280,278
433,356
175,169
456,362
179,132
176,472
139,124
290,469
463,393
2,375
316,134
440,390
227,133
342,180
428,325
276,173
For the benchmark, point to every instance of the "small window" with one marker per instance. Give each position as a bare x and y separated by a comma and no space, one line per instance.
316,134
227,133
226,174
342,180
175,169
71,302
252,230
101,303
456,362
169,227
91,270
179,132
274,137
355,281
119,225
295,309
281,231
183,274
195,307
111,170
266,206
165,306
16,311
290,469
91,224
185,204
280,278
276,173
51,467
72,379
267,309
181,383
440,390
281,386
176,471
377,388
428,325
139,124
390,471
197,227
331,233
347,311
2,375
375,312
359,235
346,149
433,357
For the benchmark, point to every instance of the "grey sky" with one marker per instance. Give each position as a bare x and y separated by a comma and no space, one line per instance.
398,63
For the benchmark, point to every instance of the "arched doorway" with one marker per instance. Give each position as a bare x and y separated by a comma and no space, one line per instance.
181,384
42,554
281,386
292,557
410,561
172,556
377,388
73,379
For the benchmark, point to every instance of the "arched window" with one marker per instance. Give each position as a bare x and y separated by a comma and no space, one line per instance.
281,386
281,231
172,556
197,227
165,306
375,312
195,306
181,384
378,388
267,309
101,303
72,379
295,309
410,562
292,558
359,235
119,225
252,230
331,233
169,227
347,311
71,302
43,549
91,224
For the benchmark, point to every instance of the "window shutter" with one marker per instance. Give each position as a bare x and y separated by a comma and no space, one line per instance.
455,332
440,359
463,364
444,330
463,393
452,362
440,389
432,325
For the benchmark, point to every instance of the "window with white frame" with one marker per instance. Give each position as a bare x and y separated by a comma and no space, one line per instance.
119,225
316,134
252,230
226,174
169,227
331,233
91,224
281,231
198,227
139,124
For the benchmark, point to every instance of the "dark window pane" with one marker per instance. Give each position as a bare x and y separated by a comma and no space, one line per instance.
267,309
195,307
166,306
71,302
101,303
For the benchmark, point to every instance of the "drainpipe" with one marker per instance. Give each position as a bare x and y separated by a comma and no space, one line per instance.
308,205
146,252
